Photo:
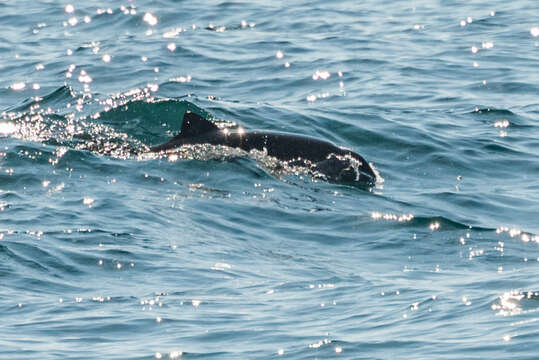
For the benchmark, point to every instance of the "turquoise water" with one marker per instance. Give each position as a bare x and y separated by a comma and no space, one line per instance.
211,253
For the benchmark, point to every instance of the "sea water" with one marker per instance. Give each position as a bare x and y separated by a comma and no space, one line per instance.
109,253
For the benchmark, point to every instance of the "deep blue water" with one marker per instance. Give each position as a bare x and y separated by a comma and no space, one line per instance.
215,254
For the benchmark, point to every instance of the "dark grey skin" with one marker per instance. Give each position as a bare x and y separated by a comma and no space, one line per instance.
326,158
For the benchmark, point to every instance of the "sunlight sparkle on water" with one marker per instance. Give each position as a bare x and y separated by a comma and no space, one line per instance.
324,75
150,19
514,232
7,128
534,31
509,303
320,343
182,79
434,226
172,33
84,77
103,11
221,266
501,124
73,21
18,86
69,9
392,217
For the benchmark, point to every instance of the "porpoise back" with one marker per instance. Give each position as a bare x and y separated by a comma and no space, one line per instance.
335,163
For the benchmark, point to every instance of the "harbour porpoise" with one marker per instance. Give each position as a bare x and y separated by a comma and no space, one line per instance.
334,163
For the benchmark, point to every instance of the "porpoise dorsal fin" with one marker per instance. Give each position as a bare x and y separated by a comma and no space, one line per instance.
195,125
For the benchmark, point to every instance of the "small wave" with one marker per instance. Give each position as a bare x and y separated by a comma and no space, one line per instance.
502,118
56,99
118,128
516,302
505,87
491,111
433,223
222,28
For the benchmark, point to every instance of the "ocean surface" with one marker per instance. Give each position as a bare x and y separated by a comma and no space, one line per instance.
108,251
